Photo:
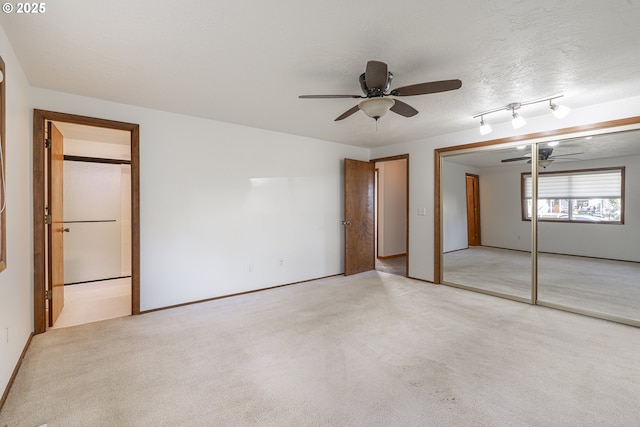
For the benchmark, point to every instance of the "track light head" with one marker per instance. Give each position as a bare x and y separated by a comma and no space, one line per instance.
560,111
485,128
517,121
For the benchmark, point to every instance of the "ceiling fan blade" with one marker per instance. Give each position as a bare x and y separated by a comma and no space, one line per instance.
347,113
515,159
426,88
376,75
561,155
328,96
403,109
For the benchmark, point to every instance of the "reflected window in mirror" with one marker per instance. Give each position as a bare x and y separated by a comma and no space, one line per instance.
588,195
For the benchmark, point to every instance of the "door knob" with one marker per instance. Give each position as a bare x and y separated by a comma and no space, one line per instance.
64,230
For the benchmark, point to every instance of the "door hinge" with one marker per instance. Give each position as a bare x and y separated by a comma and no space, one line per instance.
47,219
47,143
47,294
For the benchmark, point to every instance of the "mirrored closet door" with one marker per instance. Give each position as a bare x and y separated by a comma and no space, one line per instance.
480,190
579,252
589,226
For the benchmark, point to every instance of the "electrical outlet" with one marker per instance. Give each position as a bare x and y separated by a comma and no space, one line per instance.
281,263
250,268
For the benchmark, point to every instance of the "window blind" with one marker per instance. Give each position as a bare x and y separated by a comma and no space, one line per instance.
601,184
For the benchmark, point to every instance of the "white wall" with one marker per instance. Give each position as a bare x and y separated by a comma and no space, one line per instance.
92,197
421,179
392,211
501,215
16,282
455,235
105,150
219,199
502,218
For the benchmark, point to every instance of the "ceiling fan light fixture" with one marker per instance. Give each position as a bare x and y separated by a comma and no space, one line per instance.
545,163
375,82
485,128
376,107
560,111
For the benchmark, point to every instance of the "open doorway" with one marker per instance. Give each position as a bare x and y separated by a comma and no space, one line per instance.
96,222
102,256
391,214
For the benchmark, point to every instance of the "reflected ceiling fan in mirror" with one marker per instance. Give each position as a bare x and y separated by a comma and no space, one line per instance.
545,157
375,83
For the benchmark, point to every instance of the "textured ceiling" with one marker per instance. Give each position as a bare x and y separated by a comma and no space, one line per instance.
246,62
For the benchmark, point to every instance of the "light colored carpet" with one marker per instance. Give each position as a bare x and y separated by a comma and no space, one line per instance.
497,270
603,286
367,350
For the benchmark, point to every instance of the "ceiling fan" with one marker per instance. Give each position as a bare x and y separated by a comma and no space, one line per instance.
545,157
375,83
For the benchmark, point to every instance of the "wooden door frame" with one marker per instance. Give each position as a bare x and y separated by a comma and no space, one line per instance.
476,203
388,159
376,210
40,118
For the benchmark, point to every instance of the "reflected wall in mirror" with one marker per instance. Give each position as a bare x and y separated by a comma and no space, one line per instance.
586,230
500,262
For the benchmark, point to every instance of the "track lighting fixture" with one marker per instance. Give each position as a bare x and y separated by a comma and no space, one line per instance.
560,111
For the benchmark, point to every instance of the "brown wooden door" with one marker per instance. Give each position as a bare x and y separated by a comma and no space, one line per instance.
359,239
57,228
473,210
